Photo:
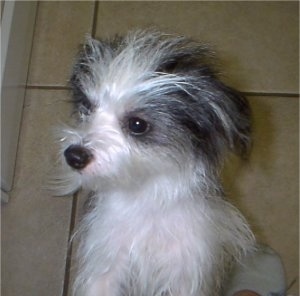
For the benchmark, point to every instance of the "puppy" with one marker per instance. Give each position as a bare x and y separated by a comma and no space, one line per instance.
154,125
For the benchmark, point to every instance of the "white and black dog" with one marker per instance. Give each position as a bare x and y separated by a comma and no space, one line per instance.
154,125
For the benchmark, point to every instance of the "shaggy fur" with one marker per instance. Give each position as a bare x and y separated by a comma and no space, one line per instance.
153,128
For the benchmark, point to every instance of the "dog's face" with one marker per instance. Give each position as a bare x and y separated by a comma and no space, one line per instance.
150,105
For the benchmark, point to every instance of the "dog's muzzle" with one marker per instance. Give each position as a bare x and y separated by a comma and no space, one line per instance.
78,157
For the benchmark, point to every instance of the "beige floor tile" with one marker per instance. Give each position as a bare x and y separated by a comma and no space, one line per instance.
35,225
60,28
267,188
256,41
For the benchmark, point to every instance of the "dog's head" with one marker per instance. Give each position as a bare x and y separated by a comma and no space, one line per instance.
149,105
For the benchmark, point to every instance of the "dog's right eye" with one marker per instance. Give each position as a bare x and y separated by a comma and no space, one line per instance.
138,126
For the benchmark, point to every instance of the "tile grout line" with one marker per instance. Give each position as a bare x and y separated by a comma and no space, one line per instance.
95,19
48,87
268,94
66,285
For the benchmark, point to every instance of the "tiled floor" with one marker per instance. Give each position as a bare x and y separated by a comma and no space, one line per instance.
258,46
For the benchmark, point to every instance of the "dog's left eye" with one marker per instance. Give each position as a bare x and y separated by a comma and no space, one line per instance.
138,126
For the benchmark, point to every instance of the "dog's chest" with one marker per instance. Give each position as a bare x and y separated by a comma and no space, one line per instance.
147,226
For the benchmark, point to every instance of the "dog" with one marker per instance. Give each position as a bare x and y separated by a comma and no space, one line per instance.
153,126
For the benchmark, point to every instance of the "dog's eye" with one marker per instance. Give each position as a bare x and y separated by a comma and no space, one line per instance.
138,126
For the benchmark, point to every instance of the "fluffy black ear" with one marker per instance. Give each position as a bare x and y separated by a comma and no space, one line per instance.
235,119
183,62
225,117
89,53
184,55
220,115
219,119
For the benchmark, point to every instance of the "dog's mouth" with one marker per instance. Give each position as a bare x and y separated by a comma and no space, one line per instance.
78,157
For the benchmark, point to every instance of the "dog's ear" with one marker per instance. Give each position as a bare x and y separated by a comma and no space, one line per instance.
184,63
87,69
224,115
92,52
183,55
236,119
217,117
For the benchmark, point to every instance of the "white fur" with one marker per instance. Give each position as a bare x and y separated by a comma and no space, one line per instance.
159,225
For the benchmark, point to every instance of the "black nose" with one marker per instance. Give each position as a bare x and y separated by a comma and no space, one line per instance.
78,157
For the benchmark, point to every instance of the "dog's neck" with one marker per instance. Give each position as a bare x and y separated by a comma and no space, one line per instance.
161,189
